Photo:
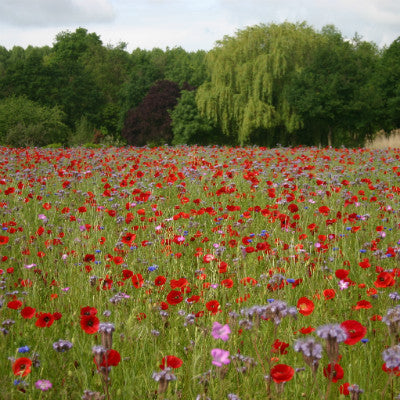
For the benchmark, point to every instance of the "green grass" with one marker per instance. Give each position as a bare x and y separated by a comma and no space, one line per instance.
207,226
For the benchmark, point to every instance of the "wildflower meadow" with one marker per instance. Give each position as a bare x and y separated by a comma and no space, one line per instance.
199,273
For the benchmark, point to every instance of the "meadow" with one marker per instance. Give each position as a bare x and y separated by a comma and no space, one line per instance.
199,273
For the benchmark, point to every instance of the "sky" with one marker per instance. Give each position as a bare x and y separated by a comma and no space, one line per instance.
193,25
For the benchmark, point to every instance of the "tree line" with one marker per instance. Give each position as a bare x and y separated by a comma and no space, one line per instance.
266,85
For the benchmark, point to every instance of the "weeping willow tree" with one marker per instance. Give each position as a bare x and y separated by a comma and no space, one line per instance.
249,73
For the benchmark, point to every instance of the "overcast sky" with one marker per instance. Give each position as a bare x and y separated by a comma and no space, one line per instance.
190,24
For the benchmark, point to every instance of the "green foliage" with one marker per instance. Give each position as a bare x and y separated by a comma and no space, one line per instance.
249,73
183,67
84,133
267,84
390,83
188,126
26,123
334,92
75,88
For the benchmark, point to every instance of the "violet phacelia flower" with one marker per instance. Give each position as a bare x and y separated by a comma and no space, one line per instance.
333,335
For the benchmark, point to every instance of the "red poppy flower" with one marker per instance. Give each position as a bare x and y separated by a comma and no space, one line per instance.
395,370
228,283
137,281
111,359
248,280
178,283
27,312
126,274
128,238
118,260
364,263
344,389
89,258
279,347
329,294
174,297
355,331
305,306
306,331
193,299
324,210
22,366
334,373
160,280
88,311
4,239
90,324
384,279
44,320
312,227
342,273
222,267
14,304
164,305
208,258
171,361
362,304
282,373
213,306
57,315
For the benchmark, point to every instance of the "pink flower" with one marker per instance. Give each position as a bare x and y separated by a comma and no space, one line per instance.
220,331
343,284
220,357
43,218
43,385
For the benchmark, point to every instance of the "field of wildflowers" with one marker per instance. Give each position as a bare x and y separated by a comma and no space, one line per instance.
199,273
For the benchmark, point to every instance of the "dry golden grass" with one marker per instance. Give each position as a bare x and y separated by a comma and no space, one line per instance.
383,141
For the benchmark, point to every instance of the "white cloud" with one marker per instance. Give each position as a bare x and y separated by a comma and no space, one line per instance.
41,13
188,23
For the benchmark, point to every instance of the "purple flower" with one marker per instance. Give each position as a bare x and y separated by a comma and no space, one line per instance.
43,385
43,218
220,357
343,284
220,331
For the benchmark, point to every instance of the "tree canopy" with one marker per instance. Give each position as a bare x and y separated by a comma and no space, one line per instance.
266,84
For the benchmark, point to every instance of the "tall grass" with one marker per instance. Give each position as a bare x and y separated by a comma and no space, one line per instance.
228,229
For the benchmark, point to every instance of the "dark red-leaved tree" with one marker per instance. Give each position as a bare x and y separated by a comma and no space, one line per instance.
150,122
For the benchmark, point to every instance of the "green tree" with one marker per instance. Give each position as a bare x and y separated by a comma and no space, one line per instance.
390,83
26,123
334,94
186,67
74,86
188,126
109,67
249,73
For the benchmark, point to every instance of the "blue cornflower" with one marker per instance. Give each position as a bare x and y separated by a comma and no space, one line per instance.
24,349
152,268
